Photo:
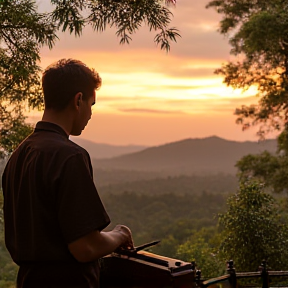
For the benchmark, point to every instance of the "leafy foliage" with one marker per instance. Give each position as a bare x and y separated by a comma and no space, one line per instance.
126,16
258,33
22,32
8,269
164,216
269,168
266,167
253,229
259,38
117,181
198,250
13,131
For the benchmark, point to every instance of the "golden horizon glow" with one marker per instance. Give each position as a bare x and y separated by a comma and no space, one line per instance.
150,96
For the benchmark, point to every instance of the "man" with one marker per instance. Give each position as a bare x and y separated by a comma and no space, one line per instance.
53,215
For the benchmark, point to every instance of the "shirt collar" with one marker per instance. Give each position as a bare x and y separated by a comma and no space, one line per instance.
48,126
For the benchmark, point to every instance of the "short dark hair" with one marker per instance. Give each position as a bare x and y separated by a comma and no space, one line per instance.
62,80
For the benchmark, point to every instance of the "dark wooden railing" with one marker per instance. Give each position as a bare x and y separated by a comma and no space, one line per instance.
263,278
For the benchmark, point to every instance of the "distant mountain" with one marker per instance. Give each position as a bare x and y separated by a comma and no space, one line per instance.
190,156
97,150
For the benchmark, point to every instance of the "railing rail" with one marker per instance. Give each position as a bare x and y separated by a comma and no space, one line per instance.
231,279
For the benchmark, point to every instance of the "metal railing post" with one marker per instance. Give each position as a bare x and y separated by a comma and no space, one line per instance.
232,273
264,274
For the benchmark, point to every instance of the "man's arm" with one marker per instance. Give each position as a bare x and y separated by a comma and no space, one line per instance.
98,244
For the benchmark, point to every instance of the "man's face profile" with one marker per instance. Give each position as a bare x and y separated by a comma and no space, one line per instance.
84,114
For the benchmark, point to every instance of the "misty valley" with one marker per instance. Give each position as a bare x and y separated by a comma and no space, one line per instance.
162,203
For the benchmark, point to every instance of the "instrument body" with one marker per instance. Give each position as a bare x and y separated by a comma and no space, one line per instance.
144,269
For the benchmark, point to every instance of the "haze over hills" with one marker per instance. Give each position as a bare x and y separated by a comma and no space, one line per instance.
99,150
190,164
210,155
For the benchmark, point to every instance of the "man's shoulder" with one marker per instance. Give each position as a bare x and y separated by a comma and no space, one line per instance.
44,144
66,147
77,148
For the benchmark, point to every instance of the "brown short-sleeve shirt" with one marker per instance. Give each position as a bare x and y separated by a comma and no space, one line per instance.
50,200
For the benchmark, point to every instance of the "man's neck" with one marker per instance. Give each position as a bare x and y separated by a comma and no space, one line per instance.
61,119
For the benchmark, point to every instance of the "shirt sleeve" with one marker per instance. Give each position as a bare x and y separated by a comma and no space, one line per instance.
80,209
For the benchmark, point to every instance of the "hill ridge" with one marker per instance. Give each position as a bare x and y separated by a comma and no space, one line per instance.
188,156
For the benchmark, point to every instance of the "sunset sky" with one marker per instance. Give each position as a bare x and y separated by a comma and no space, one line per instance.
150,97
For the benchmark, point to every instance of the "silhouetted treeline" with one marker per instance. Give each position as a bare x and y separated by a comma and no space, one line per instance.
180,185
152,217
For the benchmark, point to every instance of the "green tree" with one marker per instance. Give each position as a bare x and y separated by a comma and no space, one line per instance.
267,167
258,35
13,131
23,30
8,269
253,230
198,249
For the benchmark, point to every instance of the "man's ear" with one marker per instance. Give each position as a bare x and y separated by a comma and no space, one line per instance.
78,99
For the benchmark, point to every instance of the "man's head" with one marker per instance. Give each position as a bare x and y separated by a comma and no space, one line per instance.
62,80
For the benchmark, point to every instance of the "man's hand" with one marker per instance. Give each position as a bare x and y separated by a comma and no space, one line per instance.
98,244
127,243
